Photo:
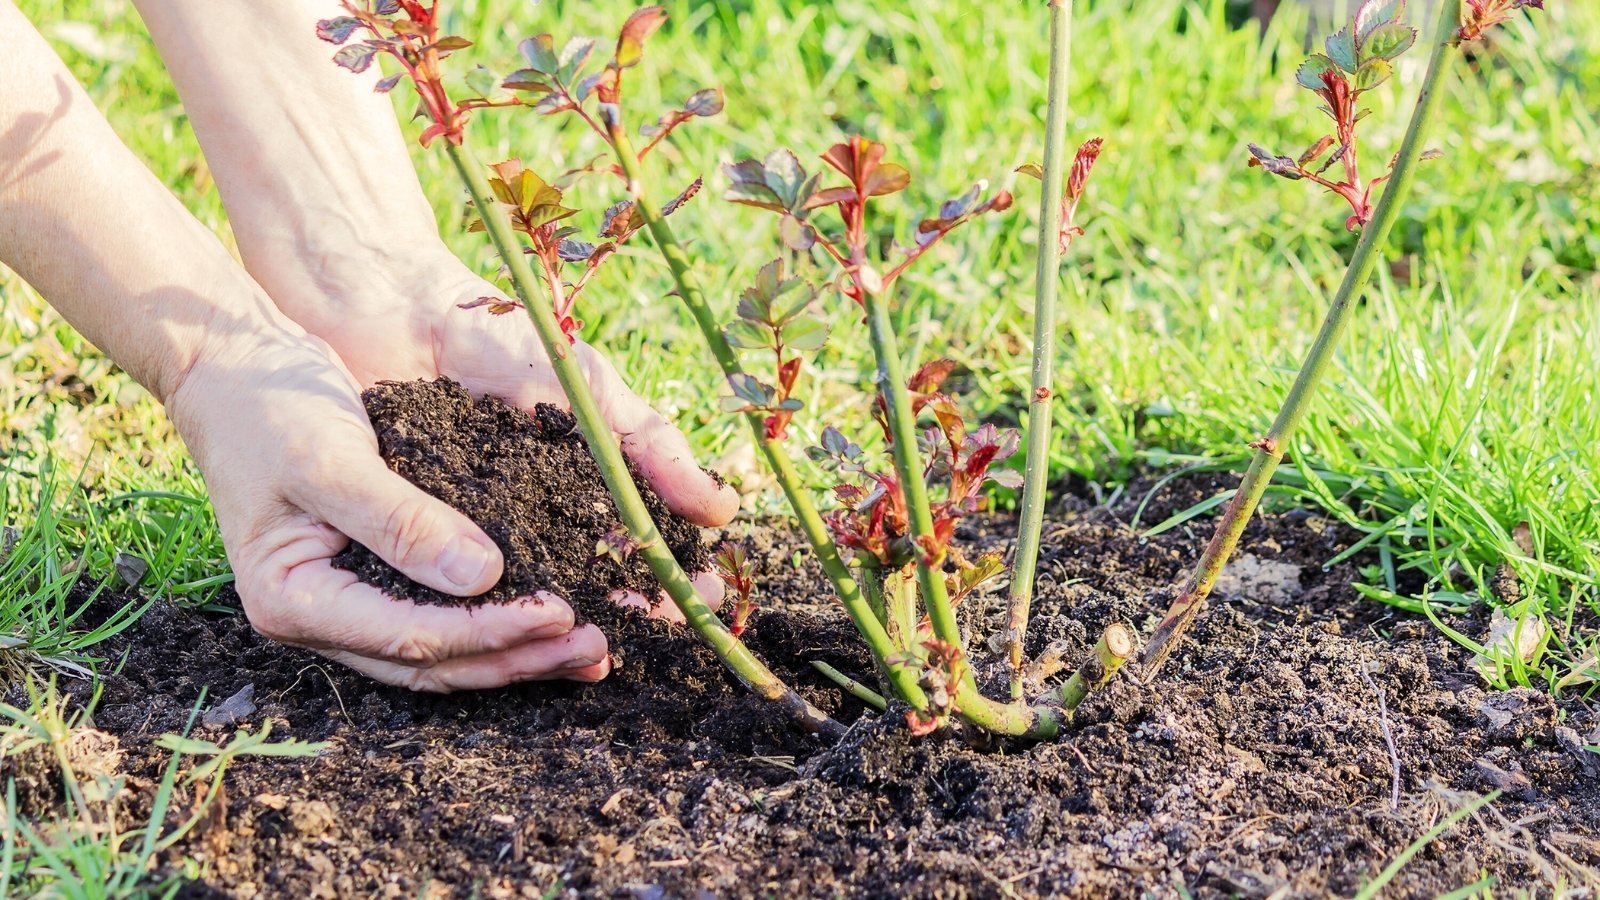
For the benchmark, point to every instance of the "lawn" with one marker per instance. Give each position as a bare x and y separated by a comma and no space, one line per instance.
1461,407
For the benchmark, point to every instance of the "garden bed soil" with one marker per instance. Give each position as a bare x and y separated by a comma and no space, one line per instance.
1255,765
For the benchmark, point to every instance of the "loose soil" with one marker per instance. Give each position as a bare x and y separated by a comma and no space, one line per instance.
1255,765
526,479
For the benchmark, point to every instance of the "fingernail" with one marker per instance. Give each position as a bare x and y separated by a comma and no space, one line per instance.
463,562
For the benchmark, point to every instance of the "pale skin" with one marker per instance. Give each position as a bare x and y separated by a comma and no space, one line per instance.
345,282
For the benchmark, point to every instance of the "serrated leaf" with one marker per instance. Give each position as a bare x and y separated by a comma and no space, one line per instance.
677,202
1311,71
784,175
356,57
747,335
572,57
1341,47
806,335
385,85
790,300
751,194
575,251
1388,42
704,103
1372,73
1374,14
638,28
338,29
1007,478
796,235
540,53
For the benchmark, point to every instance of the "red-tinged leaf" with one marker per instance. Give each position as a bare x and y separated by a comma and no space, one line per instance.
618,220
1082,165
638,28
677,202
1312,71
1315,151
337,30
788,374
930,376
550,104
887,179
434,130
386,85
1387,42
830,196
355,57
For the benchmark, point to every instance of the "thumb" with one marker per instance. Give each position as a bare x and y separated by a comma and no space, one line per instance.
420,535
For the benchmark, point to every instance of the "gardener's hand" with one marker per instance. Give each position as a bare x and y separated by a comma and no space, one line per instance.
293,471
383,337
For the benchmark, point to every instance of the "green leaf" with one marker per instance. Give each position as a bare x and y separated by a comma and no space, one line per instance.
1341,48
540,53
1388,42
573,55
784,176
1374,14
1311,71
1371,74
789,303
807,334
747,335
451,44
481,81
528,80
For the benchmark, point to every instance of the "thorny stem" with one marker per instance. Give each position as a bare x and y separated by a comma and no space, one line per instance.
908,464
851,686
901,676
1047,280
614,470
1269,449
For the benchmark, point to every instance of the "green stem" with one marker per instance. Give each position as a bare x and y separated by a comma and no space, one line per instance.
851,686
1047,280
614,469
902,677
1269,450
908,464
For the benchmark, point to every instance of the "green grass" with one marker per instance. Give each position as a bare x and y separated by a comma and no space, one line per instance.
1461,406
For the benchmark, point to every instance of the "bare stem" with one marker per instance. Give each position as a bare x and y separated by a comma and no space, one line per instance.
614,469
1269,449
1114,648
1047,280
851,686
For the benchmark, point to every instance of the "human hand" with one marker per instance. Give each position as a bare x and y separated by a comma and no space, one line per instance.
426,336
294,473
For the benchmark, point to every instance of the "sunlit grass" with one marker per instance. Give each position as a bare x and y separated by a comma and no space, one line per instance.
1461,405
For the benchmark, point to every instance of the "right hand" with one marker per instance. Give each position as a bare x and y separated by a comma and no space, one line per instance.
294,474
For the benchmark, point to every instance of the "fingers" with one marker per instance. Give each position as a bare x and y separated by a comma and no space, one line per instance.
325,608
658,448
417,534
707,585
579,655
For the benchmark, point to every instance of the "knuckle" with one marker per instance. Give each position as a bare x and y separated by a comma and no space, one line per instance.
406,528
414,648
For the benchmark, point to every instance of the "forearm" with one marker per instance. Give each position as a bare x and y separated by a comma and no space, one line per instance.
310,161
84,222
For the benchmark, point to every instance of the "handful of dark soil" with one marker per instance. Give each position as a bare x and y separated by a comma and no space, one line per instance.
527,480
